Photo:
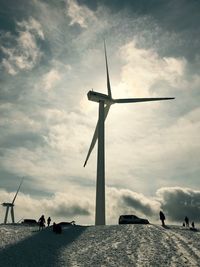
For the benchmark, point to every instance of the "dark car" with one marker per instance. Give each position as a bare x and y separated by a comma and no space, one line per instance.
132,219
67,223
30,222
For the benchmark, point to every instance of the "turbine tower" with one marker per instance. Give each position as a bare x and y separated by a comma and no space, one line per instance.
105,101
11,206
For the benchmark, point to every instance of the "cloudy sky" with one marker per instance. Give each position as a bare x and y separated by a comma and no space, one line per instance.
51,55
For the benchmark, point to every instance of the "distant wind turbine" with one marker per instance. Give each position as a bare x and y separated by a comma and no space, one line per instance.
105,101
11,206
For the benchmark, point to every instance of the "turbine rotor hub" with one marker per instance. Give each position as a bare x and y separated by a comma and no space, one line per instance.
97,97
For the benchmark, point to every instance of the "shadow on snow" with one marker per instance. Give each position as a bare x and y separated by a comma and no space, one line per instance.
43,248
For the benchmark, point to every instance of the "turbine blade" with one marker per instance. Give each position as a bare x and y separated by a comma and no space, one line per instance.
94,139
17,190
107,73
134,100
95,136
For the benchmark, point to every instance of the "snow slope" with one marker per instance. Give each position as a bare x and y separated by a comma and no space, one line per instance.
118,245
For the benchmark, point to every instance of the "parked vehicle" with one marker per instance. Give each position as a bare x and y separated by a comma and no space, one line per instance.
67,223
132,219
31,222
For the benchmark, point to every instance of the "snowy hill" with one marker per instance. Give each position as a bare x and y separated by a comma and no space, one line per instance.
118,245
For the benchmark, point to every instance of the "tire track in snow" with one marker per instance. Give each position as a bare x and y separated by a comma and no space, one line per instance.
190,256
144,252
184,253
154,248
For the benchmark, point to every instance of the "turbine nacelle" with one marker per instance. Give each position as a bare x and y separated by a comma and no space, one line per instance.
97,97
7,204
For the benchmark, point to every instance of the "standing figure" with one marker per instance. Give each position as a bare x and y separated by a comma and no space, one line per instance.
162,218
187,221
41,222
48,221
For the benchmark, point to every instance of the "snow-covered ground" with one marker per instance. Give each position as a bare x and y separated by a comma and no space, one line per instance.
117,245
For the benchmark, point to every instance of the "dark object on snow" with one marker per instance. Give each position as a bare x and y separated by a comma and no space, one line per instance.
31,222
187,221
67,223
193,227
132,219
166,227
41,222
57,228
48,221
54,227
162,218
183,224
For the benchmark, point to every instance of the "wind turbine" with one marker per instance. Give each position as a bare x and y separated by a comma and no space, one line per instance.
11,206
105,102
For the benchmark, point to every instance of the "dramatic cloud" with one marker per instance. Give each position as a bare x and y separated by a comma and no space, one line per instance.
66,211
176,202
33,26
59,206
50,78
145,68
137,205
79,14
25,53
179,202
124,201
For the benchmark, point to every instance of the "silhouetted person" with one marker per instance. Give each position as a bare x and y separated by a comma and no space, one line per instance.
186,221
48,221
192,225
41,222
183,224
162,218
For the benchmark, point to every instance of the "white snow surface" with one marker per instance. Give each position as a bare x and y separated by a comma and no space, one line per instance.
114,245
